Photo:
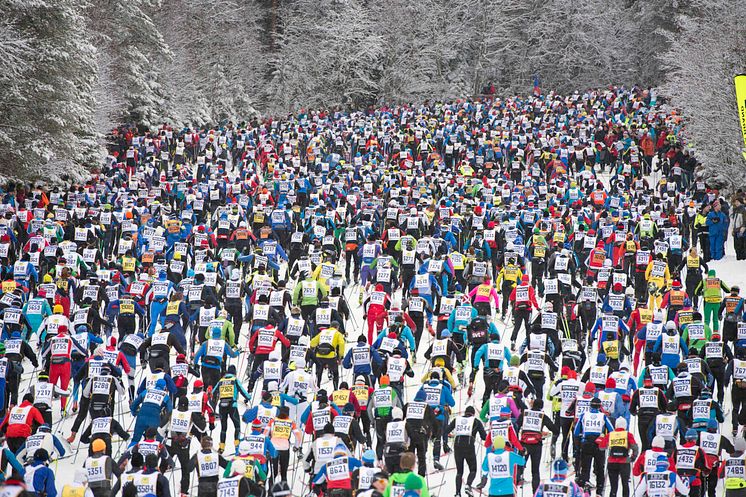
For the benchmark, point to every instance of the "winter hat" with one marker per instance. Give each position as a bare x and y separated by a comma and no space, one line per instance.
41,455
560,467
739,444
238,467
658,442
369,457
413,482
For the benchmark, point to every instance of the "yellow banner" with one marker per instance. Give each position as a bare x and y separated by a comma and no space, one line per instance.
740,82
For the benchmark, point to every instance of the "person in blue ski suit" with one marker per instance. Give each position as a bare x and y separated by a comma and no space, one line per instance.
717,228
158,295
147,409
439,403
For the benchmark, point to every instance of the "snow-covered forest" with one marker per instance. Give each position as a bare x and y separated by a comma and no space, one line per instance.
70,70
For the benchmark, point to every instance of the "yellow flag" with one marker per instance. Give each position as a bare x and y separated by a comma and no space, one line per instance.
740,82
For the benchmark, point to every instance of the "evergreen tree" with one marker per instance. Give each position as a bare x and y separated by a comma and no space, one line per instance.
46,108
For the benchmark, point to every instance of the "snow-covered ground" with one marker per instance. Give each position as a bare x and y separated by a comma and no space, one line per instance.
440,483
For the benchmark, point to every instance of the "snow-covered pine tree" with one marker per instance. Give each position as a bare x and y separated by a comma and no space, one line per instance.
131,45
700,66
46,107
219,63
424,52
495,44
327,54
655,23
578,44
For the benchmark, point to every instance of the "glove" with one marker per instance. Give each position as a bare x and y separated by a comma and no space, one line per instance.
297,450
212,426
482,483
470,390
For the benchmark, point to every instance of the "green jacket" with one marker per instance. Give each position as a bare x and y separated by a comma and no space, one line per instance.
710,288
399,479
300,299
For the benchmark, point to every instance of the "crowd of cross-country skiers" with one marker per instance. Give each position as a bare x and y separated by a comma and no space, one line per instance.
544,260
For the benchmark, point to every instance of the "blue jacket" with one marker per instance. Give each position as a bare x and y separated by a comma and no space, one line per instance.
580,430
141,408
717,222
43,479
481,355
364,369
446,397
502,486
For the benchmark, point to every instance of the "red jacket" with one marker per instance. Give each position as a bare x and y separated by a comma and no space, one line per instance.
513,439
603,443
255,348
21,428
639,467
120,361
531,296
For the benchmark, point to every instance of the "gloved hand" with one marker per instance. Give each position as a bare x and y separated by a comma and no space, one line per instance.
482,483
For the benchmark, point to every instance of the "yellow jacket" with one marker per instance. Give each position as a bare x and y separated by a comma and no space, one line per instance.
659,281
446,373
328,344
511,273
